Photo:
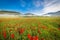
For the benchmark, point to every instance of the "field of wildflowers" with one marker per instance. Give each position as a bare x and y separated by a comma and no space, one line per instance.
29,28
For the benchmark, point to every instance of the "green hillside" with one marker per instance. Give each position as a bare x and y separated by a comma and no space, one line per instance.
10,12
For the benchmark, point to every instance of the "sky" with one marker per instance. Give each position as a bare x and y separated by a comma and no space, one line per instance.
38,7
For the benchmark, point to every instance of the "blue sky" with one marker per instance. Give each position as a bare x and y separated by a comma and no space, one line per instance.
21,5
31,6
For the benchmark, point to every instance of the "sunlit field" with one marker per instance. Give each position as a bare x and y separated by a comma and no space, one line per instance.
30,28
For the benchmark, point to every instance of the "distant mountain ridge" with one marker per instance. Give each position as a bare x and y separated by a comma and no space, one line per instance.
53,13
28,14
10,12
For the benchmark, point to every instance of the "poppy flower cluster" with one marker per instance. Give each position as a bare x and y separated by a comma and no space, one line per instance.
4,34
32,37
15,28
12,36
21,30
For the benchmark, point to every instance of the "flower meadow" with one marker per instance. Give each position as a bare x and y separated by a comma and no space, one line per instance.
29,28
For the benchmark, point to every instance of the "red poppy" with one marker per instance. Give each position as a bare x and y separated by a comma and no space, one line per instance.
4,34
12,35
32,37
58,28
29,36
39,31
21,30
35,38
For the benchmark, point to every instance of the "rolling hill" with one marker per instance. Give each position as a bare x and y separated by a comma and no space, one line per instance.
53,13
10,12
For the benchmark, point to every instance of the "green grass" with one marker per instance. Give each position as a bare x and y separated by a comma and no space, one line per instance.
47,26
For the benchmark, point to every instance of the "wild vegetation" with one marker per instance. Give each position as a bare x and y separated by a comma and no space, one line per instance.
35,28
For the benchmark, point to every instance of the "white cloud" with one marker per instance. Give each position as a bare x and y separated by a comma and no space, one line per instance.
50,6
49,2
37,3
